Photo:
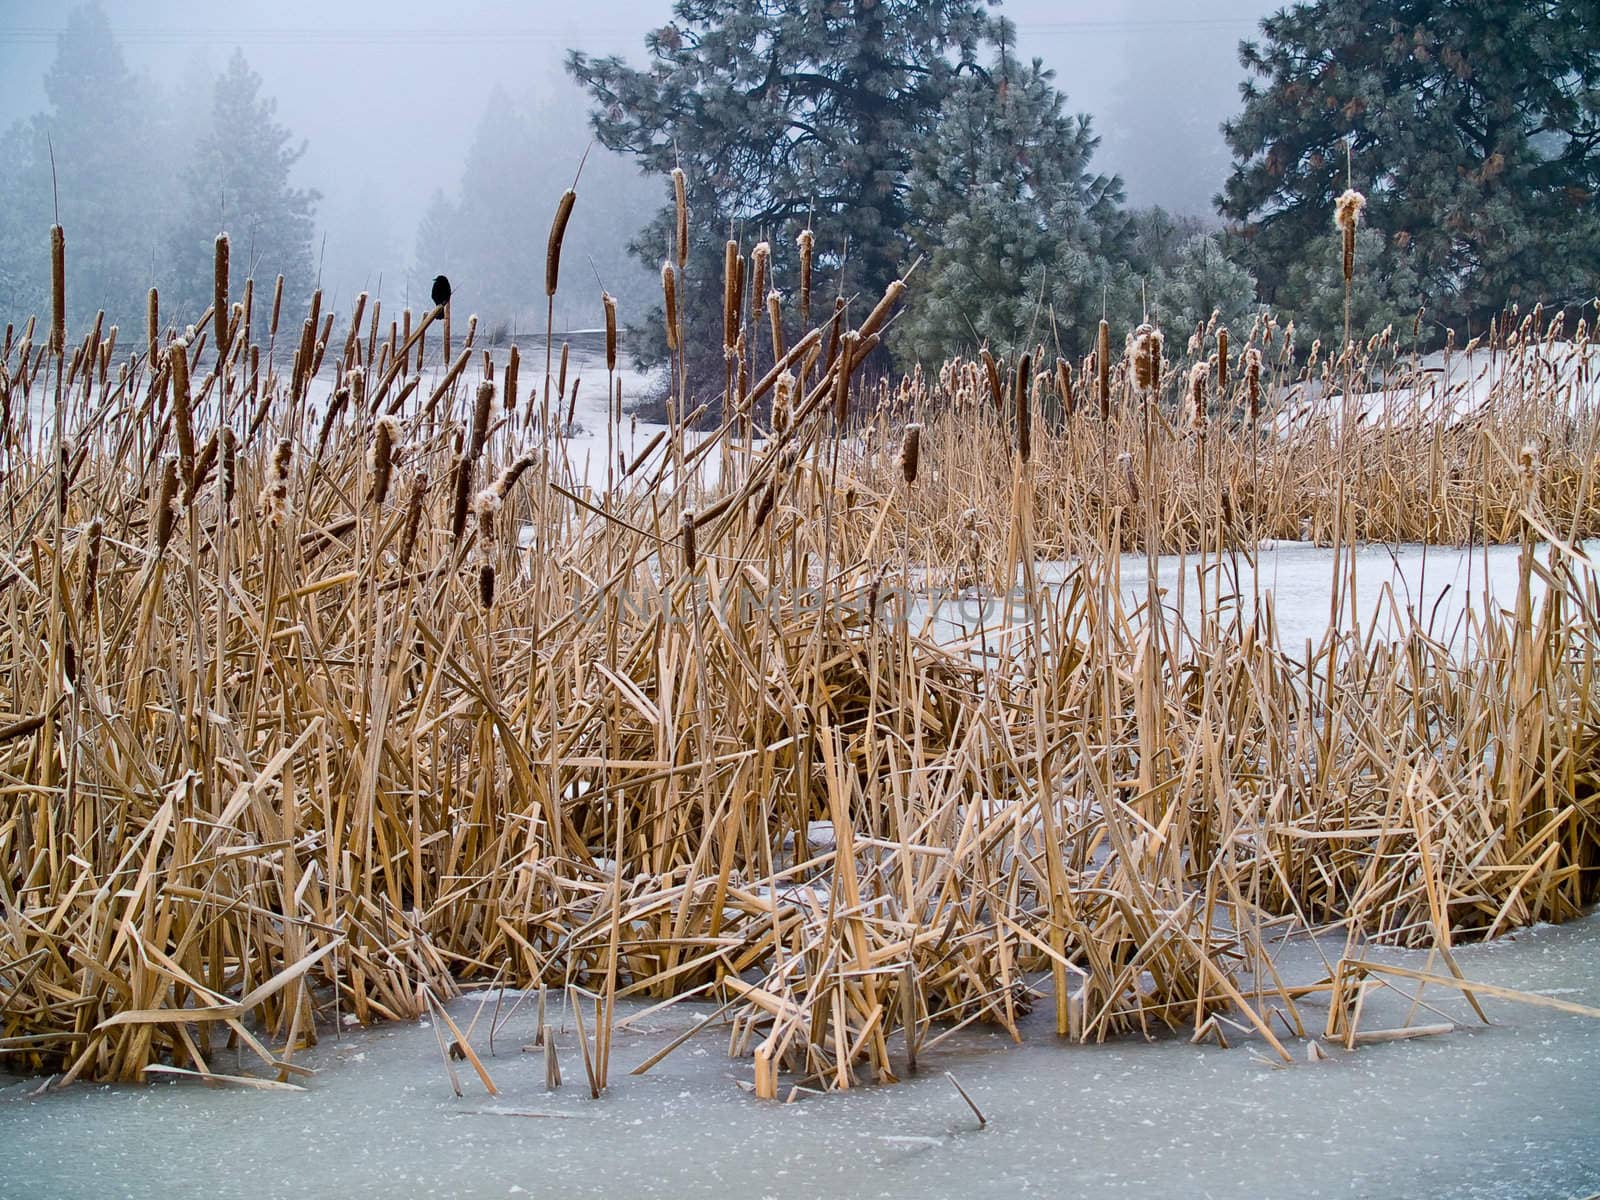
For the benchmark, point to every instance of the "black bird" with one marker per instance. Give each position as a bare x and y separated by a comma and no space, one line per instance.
441,291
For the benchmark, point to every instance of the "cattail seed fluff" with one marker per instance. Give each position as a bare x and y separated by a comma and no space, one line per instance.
1347,215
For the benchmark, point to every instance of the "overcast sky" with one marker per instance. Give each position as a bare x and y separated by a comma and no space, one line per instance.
388,92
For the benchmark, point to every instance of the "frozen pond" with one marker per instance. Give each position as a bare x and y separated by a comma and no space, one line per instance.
1293,582
1506,1110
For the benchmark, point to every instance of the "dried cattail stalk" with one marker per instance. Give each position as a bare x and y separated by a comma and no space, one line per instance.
219,294
686,533
166,503
680,199
1222,362
807,243
1347,215
1021,394
669,293
380,459
483,414
414,506
58,291
558,231
835,329
911,452
609,303
1102,365
1252,381
275,495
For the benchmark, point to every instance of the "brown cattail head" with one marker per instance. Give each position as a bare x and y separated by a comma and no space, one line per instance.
228,466
880,314
381,457
513,364
669,294
1129,478
1198,374
558,230
461,496
219,294
1252,380
1069,401
91,572
58,290
1022,394
166,503
680,198
911,452
482,414
182,417
152,326
760,261
1222,361
807,243
686,533
775,319
782,397
992,370
1102,365
732,273
1347,215
275,495
486,586
841,381
609,303
414,506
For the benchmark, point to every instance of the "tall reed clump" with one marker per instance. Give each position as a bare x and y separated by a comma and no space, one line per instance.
336,752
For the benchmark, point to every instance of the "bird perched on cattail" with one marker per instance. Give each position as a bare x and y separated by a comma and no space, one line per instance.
441,291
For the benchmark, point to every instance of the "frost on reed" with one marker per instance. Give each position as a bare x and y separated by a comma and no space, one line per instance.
324,754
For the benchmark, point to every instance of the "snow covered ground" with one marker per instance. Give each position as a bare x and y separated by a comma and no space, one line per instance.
1505,1110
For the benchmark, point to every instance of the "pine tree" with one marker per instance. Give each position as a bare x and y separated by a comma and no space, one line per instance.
239,183
113,171
786,113
1473,127
1024,242
1203,281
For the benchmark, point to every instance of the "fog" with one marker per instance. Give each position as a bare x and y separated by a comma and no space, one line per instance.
389,94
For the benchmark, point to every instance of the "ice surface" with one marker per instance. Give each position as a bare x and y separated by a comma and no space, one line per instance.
1505,1110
